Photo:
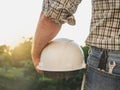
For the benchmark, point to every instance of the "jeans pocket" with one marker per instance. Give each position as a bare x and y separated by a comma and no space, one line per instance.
93,61
100,80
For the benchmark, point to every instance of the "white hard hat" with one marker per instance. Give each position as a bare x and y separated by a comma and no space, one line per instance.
62,55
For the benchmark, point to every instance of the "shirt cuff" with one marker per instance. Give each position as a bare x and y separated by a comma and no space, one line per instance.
61,11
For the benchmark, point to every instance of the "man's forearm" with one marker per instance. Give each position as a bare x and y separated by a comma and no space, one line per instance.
46,31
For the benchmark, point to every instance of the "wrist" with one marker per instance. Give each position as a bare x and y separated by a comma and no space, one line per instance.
36,61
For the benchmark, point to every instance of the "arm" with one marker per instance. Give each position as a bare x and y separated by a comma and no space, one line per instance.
54,14
46,30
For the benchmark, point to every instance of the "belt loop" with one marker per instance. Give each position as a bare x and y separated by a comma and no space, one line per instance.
103,60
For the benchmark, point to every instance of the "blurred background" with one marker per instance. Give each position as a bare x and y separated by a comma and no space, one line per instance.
18,20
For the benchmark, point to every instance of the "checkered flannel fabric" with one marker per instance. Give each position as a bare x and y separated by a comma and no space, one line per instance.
105,22
61,11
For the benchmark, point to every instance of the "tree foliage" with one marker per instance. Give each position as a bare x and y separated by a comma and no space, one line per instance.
5,57
22,51
85,50
16,66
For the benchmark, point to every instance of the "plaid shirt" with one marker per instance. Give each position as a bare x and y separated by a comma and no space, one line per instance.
105,22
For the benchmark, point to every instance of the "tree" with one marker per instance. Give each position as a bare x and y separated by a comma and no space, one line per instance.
22,51
5,58
4,49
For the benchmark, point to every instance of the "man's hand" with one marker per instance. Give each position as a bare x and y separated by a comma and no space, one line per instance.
36,62
45,32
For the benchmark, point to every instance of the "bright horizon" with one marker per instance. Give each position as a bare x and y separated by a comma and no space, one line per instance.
18,19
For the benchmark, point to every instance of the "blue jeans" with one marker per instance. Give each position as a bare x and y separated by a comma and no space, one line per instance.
97,79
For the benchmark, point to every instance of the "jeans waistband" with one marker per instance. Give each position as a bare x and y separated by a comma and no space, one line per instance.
101,49
113,56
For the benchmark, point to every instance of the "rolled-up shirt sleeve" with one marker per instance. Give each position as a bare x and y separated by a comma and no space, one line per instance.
60,11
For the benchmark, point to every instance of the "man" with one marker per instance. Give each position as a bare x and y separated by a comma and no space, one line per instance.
103,65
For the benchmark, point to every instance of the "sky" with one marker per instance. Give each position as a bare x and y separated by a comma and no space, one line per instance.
18,19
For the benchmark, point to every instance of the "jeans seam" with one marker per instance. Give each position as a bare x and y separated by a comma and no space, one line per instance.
105,74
